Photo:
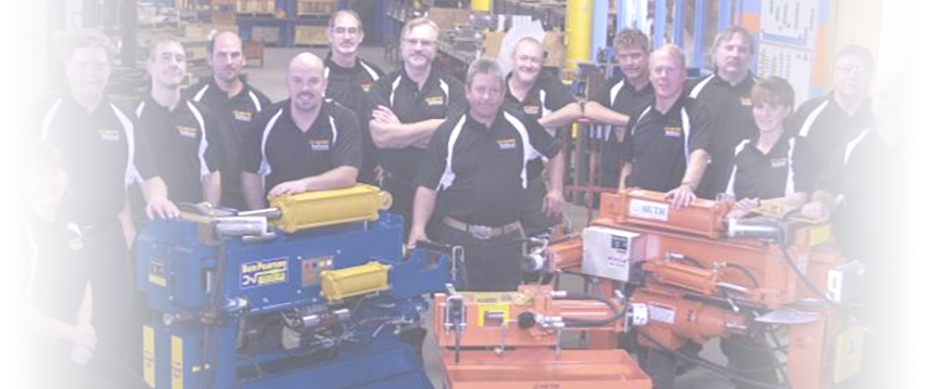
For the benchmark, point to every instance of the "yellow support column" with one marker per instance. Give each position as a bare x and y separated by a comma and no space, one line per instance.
577,33
481,5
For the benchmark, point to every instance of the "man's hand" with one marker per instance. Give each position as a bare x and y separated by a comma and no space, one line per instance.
681,197
287,188
816,211
553,203
383,114
81,355
416,235
84,336
161,208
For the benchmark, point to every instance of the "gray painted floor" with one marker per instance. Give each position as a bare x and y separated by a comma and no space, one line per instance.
270,80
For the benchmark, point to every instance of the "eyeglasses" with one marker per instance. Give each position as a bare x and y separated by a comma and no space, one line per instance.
421,42
853,69
344,31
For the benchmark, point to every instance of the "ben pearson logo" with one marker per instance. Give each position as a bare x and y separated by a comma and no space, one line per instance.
242,116
435,100
507,144
319,144
264,273
779,162
109,135
188,132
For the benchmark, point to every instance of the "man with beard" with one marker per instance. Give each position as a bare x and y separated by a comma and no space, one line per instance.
350,77
407,106
234,104
727,94
543,97
302,144
474,178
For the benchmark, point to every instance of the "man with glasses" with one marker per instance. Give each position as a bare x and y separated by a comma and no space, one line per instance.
350,77
407,106
825,123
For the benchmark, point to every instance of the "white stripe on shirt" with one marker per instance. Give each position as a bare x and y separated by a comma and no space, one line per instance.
201,151
448,177
265,168
529,152
808,123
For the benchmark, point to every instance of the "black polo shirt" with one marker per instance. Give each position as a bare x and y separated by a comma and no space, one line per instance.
619,95
731,109
185,144
824,128
548,94
348,87
48,271
481,174
102,151
234,115
879,186
659,145
281,152
440,97
757,175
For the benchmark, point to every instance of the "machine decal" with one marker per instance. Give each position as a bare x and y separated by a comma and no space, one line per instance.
311,267
148,355
661,313
156,272
648,210
263,273
177,362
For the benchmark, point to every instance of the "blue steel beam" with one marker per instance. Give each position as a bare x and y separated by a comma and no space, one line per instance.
599,27
679,17
699,14
661,15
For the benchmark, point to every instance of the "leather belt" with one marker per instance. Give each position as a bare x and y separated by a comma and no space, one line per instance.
481,232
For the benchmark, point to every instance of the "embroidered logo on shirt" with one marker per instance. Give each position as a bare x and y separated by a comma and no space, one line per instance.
435,100
319,145
778,162
187,132
746,102
507,144
673,131
109,135
531,109
242,116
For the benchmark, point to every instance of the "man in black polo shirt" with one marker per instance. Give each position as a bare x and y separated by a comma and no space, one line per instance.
182,134
475,175
303,144
543,97
407,106
619,98
875,174
234,104
727,94
350,77
825,123
667,141
102,147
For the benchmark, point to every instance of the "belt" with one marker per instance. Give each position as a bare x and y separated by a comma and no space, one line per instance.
481,232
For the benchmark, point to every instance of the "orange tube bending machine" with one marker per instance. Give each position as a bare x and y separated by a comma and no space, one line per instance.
669,277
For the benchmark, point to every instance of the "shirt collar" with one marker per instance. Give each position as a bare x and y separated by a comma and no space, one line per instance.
472,123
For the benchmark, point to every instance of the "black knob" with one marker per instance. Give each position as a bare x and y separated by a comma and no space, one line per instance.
526,320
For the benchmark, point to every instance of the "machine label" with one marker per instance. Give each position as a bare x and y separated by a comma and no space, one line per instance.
264,273
177,362
660,313
156,272
148,355
648,210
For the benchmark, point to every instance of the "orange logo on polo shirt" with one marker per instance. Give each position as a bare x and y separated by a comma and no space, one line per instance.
746,102
673,131
778,162
242,116
366,86
507,144
435,100
319,144
187,132
531,109
109,135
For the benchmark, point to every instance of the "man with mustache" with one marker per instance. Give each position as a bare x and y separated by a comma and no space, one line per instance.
543,97
407,106
875,174
234,103
99,140
350,77
474,181
302,144
727,93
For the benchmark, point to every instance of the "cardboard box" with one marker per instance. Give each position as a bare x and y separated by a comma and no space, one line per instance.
448,18
266,34
316,7
310,35
255,6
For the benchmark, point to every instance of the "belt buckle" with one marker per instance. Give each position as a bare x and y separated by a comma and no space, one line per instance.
481,232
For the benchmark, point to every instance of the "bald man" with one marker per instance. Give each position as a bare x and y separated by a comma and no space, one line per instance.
302,144
875,173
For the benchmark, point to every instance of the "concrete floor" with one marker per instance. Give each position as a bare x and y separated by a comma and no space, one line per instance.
270,80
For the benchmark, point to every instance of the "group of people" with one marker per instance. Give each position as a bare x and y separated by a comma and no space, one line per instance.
476,164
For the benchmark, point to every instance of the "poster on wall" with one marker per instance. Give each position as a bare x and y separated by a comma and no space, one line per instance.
788,42
792,64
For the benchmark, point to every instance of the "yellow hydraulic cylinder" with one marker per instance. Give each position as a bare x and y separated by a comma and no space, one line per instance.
481,5
353,281
316,209
578,33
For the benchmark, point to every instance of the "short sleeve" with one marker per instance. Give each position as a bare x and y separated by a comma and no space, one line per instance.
377,96
558,94
215,147
347,148
250,151
457,102
434,161
701,127
540,139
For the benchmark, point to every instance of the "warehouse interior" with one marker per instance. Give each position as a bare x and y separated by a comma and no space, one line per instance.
625,289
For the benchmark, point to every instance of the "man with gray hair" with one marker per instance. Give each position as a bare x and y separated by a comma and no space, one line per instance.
473,183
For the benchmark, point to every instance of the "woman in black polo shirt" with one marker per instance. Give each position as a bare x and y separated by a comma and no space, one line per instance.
763,170
60,342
